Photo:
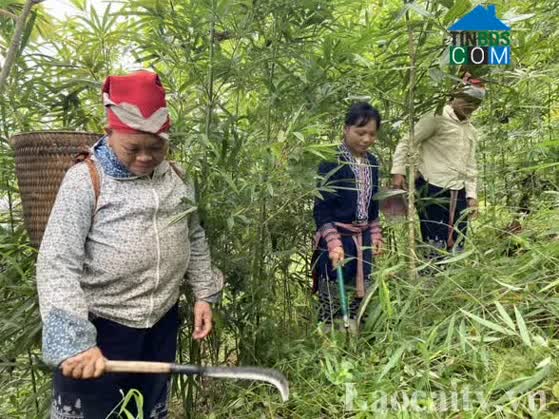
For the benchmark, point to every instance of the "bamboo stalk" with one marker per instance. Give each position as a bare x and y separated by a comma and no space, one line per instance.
33,381
201,187
412,153
12,52
209,109
189,400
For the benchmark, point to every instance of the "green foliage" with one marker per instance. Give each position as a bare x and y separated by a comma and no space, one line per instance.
483,325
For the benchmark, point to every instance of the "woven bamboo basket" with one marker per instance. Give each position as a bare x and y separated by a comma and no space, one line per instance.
42,159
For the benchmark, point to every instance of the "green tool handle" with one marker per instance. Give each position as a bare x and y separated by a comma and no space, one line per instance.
343,298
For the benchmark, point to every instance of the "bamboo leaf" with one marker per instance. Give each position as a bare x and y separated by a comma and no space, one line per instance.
550,285
366,300
506,318
459,9
384,293
509,19
420,10
508,286
524,333
457,258
181,216
394,359
525,384
462,334
450,332
544,363
138,398
299,136
489,324
541,166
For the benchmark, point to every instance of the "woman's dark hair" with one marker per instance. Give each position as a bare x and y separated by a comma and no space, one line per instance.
360,113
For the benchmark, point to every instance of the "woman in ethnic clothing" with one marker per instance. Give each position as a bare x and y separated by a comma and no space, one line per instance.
348,229
110,266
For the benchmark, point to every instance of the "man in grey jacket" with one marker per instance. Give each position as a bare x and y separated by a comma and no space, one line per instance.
110,266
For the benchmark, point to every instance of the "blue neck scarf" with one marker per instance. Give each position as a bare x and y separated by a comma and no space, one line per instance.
112,166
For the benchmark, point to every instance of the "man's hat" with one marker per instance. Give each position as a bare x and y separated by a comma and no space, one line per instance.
136,103
470,88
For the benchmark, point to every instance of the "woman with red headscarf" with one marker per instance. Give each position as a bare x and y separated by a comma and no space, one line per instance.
112,260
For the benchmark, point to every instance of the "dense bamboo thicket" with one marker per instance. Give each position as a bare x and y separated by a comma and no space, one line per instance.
258,90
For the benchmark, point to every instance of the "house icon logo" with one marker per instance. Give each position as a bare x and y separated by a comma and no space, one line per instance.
480,38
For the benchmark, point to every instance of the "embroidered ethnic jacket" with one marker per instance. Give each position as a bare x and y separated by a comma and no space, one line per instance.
347,188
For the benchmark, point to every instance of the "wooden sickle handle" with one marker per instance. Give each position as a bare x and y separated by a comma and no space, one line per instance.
138,367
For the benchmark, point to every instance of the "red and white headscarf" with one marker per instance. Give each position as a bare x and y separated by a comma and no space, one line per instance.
136,103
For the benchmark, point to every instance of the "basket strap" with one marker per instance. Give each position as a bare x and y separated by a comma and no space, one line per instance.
85,157
176,169
94,174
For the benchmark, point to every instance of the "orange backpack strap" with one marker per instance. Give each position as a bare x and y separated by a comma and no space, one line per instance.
85,156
